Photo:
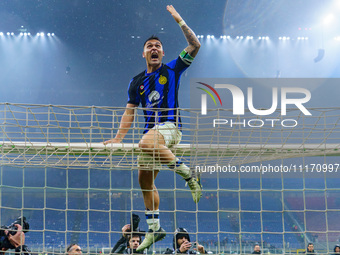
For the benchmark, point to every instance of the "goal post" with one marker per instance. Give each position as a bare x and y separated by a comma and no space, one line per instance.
56,171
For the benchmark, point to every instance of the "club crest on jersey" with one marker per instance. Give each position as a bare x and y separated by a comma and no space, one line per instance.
141,87
162,80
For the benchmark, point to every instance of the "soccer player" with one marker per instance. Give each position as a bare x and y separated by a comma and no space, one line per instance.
156,89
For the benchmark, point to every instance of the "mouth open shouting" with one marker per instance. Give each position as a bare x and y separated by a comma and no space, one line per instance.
154,56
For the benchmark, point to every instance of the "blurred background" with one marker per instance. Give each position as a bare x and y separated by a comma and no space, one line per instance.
97,45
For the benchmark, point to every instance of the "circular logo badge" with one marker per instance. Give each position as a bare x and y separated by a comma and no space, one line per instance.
162,80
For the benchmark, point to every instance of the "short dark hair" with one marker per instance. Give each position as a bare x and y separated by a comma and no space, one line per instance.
70,246
336,246
152,37
135,235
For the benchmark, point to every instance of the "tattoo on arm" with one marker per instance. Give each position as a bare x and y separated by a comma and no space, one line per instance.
194,44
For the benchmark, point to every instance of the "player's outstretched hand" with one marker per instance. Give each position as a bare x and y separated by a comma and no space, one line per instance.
114,140
174,13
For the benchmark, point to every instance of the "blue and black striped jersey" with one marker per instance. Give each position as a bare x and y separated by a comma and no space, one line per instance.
157,91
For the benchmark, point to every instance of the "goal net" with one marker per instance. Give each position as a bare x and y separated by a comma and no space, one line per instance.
263,183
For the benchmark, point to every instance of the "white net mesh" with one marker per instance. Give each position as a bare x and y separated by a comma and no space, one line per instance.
54,171
71,136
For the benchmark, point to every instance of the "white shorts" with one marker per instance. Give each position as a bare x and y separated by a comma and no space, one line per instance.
172,136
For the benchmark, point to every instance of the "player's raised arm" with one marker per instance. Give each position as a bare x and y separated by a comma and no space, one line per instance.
193,43
125,124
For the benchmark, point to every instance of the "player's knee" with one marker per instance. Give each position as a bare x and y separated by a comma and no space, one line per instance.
145,146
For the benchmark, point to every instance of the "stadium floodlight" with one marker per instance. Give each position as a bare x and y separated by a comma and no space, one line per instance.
1,33
12,33
337,4
48,34
52,34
